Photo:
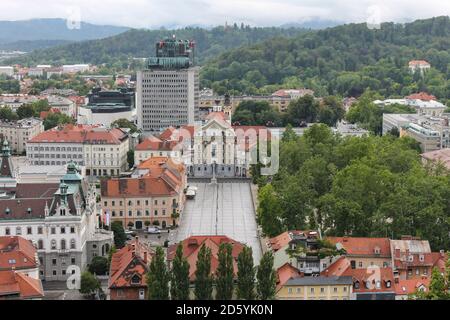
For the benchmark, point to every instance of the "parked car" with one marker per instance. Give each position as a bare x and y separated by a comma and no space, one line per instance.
153,230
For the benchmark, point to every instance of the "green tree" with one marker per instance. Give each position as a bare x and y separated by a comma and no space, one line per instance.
266,277
246,275
124,123
304,109
54,119
225,272
203,278
179,287
120,237
438,286
158,277
25,111
89,284
269,211
130,158
99,265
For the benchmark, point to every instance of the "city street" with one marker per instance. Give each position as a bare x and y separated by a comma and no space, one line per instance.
224,208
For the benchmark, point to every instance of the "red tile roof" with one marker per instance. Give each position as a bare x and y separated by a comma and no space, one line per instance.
418,62
191,248
421,96
164,177
130,261
80,134
154,144
337,268
410,286
439,260
17,253
370,276
222,116
286,272
363,246
14,283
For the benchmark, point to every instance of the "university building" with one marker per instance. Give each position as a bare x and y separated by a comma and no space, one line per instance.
60,219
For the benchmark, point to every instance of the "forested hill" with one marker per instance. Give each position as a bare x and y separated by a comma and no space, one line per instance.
117,50
342,60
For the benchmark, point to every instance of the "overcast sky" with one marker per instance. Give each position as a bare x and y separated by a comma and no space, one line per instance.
156,13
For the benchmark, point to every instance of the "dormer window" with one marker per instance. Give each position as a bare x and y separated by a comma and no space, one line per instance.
29,210
377,250
62,212
356,284
7,210
422,258
388,284
135,279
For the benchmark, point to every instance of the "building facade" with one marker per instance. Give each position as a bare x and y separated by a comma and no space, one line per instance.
19,132
168,90
60,219
154,195
102,151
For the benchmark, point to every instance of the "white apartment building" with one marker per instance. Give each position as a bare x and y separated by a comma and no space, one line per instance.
19,132
74,68
64,105
102,151
61,219
7,70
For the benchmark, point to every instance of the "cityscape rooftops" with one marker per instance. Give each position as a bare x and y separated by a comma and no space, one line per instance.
86,134
191,249
16,284
17,253
129,265
363,246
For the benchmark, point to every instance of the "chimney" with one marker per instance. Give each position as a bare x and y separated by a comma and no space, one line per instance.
145,256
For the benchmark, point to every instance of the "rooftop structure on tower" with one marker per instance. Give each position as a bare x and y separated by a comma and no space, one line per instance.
173,53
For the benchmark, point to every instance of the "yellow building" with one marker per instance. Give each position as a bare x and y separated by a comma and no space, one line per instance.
317,288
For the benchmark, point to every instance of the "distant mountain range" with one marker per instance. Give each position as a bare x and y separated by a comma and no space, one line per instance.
27,35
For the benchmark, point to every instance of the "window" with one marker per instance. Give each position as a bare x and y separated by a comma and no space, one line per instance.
335,289
360,264
63,244
72,229
299,290
322,290
18,231
53,230
40,230
29,230
105,203
421,258
53,244
311,290
40,244
7,231
53,262
54,272
72,244
63,230
388,284
378,284
290,290
356,284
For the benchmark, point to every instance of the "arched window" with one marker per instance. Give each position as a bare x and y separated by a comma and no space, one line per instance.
40,244
53,244
72,244
63,244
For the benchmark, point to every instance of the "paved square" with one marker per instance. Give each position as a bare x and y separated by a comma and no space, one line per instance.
224,208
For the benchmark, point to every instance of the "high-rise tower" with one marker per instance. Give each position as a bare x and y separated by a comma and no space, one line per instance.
168,89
